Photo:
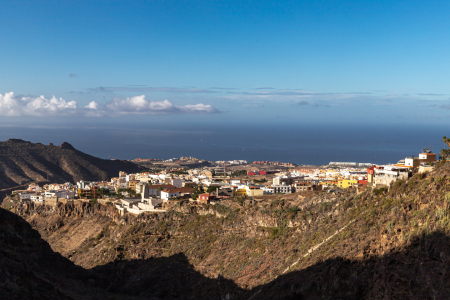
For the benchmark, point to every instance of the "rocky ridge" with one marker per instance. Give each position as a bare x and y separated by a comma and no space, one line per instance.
23,162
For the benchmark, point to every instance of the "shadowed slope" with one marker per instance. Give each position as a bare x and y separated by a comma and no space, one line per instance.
29,269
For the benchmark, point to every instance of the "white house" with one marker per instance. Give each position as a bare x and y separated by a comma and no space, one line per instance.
389,174
37,198
285,189
175,192
235,182
26,196
156,189
169,193
60,194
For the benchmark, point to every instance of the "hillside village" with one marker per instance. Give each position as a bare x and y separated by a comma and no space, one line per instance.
154,191
339,226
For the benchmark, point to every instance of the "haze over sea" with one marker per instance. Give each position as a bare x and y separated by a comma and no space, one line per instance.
296,143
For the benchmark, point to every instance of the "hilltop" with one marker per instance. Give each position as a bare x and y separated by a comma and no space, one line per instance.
23,162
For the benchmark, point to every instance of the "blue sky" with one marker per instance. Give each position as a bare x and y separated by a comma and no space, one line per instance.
284,61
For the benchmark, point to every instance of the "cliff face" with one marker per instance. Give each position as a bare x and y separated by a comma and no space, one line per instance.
376,244
23,162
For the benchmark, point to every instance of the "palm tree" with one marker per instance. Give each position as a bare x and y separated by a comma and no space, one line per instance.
444,153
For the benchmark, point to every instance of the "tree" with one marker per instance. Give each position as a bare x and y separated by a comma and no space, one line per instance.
211,189
445,153
445,140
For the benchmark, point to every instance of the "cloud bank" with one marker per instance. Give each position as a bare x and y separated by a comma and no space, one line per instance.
12,105
140,105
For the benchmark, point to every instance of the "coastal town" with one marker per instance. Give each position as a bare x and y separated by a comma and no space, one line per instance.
167,183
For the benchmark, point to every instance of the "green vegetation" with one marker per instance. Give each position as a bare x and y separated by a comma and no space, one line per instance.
212,189
445,153
380,191
239,173
195,192
222,209
130,191
262,180
293,209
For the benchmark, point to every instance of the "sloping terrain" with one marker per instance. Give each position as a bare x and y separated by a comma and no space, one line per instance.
29,269
377,244
23,162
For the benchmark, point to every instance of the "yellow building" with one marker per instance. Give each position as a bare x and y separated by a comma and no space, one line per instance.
253,191
132,184
240,192
345,183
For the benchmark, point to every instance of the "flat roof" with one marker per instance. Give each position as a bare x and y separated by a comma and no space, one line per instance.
131,199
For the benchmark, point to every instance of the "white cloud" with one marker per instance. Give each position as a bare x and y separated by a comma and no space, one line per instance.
92,105
140,105
11,105
198,108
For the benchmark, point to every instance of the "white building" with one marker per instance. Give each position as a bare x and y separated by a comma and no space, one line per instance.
285,189
60,194
235,182
129,177
37,198
390,174
169,193
177,182
26,196
268,190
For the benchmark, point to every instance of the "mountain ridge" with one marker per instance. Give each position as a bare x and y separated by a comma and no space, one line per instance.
24,162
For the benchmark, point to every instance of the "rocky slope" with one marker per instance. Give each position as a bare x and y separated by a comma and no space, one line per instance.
376,244
29,269
23,162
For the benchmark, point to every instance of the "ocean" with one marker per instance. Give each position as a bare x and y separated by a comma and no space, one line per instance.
296,143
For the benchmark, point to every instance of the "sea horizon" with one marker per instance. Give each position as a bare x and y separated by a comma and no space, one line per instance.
295,143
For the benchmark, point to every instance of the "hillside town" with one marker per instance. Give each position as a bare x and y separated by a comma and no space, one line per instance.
156,190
